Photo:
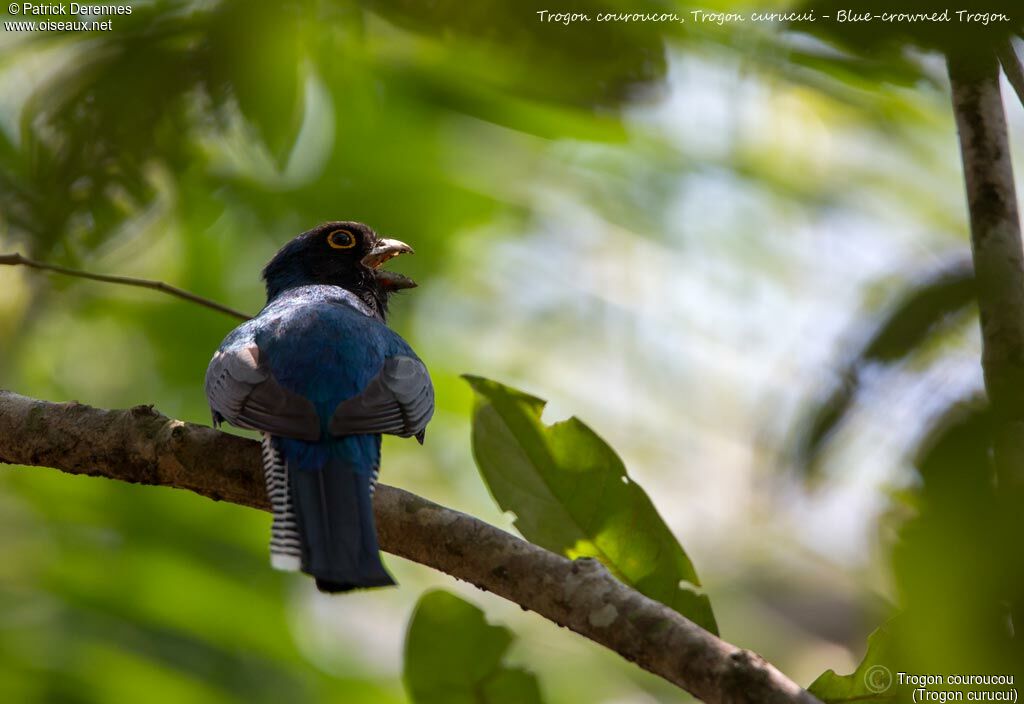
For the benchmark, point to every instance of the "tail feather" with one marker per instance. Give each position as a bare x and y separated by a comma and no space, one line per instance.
334,512
285,544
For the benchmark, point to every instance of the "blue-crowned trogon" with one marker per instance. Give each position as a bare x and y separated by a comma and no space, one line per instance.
322,376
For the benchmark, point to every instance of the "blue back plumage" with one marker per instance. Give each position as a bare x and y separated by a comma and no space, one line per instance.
323,345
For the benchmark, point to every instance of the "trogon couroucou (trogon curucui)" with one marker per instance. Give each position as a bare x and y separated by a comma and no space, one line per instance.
321,375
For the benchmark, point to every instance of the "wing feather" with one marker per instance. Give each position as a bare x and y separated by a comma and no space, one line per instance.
398,401
242,391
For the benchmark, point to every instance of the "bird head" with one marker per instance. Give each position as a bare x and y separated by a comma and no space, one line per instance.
343,253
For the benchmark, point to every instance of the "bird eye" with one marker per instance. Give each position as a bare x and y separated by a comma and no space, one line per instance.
341,239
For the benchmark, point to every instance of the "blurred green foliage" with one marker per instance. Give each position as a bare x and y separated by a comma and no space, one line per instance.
195,137
453,656
871,681
955,572
888,40
929,307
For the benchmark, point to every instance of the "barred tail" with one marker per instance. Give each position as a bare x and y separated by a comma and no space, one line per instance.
285,543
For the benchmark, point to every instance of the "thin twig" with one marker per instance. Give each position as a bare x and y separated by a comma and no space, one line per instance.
19,260
1012,67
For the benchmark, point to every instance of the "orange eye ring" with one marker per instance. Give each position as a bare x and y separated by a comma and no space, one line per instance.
341,239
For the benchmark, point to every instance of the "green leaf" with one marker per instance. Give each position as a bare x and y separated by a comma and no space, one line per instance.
453,656
571,494
874,680
601,64
258,52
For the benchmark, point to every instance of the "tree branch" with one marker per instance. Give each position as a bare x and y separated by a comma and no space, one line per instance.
140,445
996,248
18,260
999,270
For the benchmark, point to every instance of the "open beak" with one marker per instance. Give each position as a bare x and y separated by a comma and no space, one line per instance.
383,251
392,281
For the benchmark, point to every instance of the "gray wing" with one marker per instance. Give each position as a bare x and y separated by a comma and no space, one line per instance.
398,401
242,391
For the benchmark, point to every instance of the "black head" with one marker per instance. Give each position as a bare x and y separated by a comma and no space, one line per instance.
346,254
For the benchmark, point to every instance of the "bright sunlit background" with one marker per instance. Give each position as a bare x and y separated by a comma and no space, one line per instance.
677,234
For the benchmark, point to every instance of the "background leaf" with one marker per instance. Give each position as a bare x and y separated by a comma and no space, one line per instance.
938,561
618,60
453,656
872,681
571,494
928,307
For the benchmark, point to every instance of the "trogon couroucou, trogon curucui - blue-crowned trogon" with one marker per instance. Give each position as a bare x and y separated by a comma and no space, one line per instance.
320,374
